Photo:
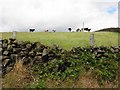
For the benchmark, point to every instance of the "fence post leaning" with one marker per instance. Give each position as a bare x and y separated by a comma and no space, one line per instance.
14,34
92,40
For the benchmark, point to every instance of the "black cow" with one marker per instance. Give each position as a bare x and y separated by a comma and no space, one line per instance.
69,29
32,30
54,30
46,30
78,30
87,29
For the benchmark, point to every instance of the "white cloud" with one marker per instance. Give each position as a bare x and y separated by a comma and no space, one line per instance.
21,15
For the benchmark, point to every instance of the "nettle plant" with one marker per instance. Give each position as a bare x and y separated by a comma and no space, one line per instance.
59,64
102,61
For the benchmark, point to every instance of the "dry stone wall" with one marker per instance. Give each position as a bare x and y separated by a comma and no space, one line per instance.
34,52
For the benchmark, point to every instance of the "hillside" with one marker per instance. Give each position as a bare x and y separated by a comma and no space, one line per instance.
109,30
67,40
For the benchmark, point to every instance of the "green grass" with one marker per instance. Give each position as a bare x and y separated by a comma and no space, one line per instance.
67,40
0,35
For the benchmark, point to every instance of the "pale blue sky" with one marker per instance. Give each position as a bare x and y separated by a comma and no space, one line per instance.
112,9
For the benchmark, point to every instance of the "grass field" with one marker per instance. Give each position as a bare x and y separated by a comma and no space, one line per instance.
21,77
67,40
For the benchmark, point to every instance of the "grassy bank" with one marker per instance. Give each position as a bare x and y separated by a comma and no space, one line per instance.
39,66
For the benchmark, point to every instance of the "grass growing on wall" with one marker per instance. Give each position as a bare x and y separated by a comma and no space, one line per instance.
39,65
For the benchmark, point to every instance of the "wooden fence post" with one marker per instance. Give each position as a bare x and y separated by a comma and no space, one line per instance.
1,63
16,58
92,40
0,67
14,34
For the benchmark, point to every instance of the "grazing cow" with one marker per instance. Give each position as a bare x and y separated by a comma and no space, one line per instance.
54,30
69,29
31,30
46,30
78,30
87,29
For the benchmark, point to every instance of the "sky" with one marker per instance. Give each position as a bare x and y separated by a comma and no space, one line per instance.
21,15
119,14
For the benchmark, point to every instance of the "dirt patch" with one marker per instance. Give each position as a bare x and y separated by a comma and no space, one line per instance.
51,83
87,81
18,77
68,83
